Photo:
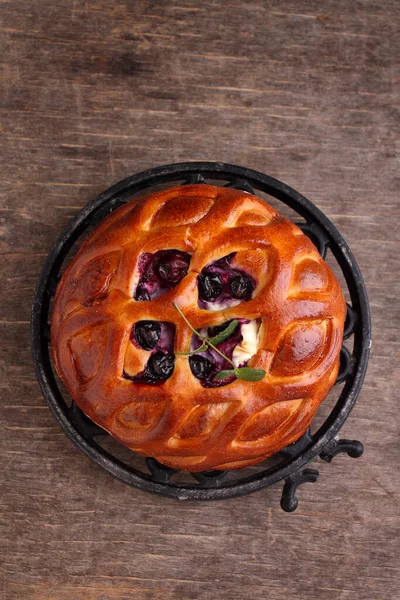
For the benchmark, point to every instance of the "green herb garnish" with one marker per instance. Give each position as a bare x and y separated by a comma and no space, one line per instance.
224,334
224,374
245,373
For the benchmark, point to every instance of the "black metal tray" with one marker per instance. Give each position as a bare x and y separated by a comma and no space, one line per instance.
289,464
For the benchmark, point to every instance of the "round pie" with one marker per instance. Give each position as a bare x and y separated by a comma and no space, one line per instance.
158,277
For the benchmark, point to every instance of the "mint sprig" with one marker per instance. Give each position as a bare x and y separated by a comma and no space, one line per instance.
249,374
245,373
224,334
201,348
224,374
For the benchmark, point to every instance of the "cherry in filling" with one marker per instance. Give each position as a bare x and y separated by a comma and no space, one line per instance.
158,338
222,284
205,365
160,272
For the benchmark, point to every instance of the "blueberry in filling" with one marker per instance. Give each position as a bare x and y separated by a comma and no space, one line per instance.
172,266
205,365
160,272
210,286
141,294
221,285
157,337
241,287
200,366
160,365
147,334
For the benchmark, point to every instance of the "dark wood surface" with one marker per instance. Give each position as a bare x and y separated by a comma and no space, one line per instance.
307,91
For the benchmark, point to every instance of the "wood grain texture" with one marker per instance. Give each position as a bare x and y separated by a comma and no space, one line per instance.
305,90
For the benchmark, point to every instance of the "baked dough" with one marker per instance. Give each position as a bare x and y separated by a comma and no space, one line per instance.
293,302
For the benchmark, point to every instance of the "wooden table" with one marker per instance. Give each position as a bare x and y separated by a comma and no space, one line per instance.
307,91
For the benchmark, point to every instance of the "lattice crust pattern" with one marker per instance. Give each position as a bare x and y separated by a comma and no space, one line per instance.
297,300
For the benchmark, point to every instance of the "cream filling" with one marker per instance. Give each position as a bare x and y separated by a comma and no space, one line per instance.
215,306
248,346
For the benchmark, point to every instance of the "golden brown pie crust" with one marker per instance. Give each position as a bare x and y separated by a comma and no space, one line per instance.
179,422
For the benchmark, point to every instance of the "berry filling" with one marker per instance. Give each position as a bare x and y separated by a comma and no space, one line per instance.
161,366
210,286
201,367
221,285
146,334
205,365
160,272
158,338
241,287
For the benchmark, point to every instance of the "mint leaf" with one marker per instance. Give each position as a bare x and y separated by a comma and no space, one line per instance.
249,374
223,335
202,348
224,374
